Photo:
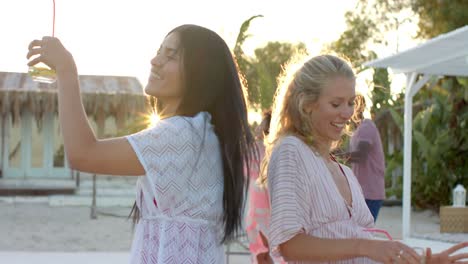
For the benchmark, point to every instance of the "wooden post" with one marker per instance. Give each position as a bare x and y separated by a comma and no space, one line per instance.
77,178
48,131
26,144
6,144
93,204
100,120
2,141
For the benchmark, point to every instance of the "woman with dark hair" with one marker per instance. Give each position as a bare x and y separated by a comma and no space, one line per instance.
190,199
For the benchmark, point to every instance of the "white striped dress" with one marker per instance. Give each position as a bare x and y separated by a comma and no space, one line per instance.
305,199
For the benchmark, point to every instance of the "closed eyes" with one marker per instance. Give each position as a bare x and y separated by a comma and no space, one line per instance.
350,103
169,53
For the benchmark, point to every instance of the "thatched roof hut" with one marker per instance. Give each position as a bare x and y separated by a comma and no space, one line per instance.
27,153
103,96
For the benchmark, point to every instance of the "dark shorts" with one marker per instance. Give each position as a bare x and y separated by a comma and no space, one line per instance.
374,207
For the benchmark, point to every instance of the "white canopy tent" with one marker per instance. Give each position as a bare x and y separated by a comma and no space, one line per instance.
445,55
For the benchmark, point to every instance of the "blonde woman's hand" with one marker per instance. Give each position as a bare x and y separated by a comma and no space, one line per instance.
51,52
390,252
446,257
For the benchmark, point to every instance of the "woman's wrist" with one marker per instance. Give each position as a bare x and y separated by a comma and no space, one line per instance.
68,66
362,247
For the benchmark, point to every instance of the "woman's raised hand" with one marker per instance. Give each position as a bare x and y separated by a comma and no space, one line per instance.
52,53
446,257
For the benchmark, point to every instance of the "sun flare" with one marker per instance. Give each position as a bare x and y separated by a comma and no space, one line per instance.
152,119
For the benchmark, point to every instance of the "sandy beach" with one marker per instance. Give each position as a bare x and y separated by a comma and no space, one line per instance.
40,227
32,231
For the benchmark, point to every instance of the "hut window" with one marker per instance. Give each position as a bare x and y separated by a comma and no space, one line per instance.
37,155
14,145
58,146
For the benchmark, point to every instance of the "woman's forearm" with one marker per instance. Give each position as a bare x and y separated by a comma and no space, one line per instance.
76,131
303,247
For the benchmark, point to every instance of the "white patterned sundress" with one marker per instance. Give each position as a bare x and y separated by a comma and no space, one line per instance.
180,197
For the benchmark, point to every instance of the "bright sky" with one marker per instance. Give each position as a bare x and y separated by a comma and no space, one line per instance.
119,37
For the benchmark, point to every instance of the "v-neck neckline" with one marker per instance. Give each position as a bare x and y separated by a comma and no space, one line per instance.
349,206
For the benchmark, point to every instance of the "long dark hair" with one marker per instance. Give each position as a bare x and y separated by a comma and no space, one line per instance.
212,84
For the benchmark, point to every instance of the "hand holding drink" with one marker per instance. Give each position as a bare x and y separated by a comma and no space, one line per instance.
40,72
51,53
47,57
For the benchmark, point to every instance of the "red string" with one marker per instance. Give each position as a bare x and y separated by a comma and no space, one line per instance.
378,230
53,19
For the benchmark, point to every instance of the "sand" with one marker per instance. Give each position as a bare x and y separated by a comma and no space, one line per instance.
39,227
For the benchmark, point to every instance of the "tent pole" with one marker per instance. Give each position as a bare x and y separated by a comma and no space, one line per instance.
408,119
417,86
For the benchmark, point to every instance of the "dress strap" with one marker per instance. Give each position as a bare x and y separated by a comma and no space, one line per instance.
339,165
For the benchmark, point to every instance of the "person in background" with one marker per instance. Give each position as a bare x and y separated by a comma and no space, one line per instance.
367,158
190,199
258,202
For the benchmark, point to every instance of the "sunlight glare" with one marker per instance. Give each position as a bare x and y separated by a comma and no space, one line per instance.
152,119
254,116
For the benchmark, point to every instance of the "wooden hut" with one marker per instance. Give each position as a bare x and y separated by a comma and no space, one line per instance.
31,146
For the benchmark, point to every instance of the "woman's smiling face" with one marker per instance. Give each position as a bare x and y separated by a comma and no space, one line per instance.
333,109
165,80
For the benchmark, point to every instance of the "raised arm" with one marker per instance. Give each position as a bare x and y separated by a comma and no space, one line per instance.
84,151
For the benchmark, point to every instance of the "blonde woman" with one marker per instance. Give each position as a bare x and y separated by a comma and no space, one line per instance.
318,211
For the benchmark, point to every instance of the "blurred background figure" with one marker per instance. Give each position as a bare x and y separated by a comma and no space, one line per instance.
367,158
258,202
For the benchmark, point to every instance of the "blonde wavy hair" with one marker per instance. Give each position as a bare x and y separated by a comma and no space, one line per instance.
359,108
300,85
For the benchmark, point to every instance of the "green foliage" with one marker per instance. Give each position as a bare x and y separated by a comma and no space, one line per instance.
246,68
440,125
437,17
243,35
367,25
393,169
265,85
439,147
260,72
353,41
398,119
268,63
381,96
